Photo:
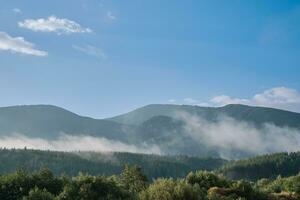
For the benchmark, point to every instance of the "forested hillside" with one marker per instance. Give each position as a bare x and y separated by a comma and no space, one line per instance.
154,166
103,163
267,166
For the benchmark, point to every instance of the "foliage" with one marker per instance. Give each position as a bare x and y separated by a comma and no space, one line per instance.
289,184
169,189
133,179
207,179
86,187
38,194
132,184
267,166
93,163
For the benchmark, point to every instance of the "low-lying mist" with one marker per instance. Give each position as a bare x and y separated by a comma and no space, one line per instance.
228,135
75,143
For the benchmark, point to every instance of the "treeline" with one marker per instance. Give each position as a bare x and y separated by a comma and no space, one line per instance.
132,184
107,164
267,166
154,166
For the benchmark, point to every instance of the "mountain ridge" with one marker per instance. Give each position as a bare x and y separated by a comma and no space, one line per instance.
154,124
168,110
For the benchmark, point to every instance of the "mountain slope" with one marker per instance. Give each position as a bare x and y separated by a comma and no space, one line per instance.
145,113
257,115
266,166
260,115
233,131
202,132
48,121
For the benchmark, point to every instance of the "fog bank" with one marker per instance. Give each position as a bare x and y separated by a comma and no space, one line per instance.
75,143
228,134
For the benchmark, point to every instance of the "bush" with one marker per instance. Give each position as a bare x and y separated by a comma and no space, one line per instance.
16,185
38,194
207,180
169,189
85,187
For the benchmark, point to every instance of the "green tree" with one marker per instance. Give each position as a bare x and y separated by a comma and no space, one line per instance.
169,189
44,179
207,179
38,194
85,187
15,185
133,179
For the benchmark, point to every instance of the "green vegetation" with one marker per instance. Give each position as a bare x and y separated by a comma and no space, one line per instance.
132,184
107,164
116,176
267,166
154,166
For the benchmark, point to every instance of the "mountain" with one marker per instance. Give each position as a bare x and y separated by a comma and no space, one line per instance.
257,115
174,129
47,121
216,131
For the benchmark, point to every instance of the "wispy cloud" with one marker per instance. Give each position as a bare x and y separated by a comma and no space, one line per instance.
90,50
54,24
18,45
17,10
110,15
172,101
277,97
189,100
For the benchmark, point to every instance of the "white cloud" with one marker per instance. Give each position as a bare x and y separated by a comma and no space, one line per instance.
172,101
204,104
18,45
53,24
190,100
224,99
90,50
277,97
111,16
17,10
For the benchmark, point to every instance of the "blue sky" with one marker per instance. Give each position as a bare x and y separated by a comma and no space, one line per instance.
105,57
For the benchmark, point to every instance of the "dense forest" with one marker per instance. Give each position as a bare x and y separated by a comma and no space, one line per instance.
132,184
154,166
266,166
47,175
107,164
